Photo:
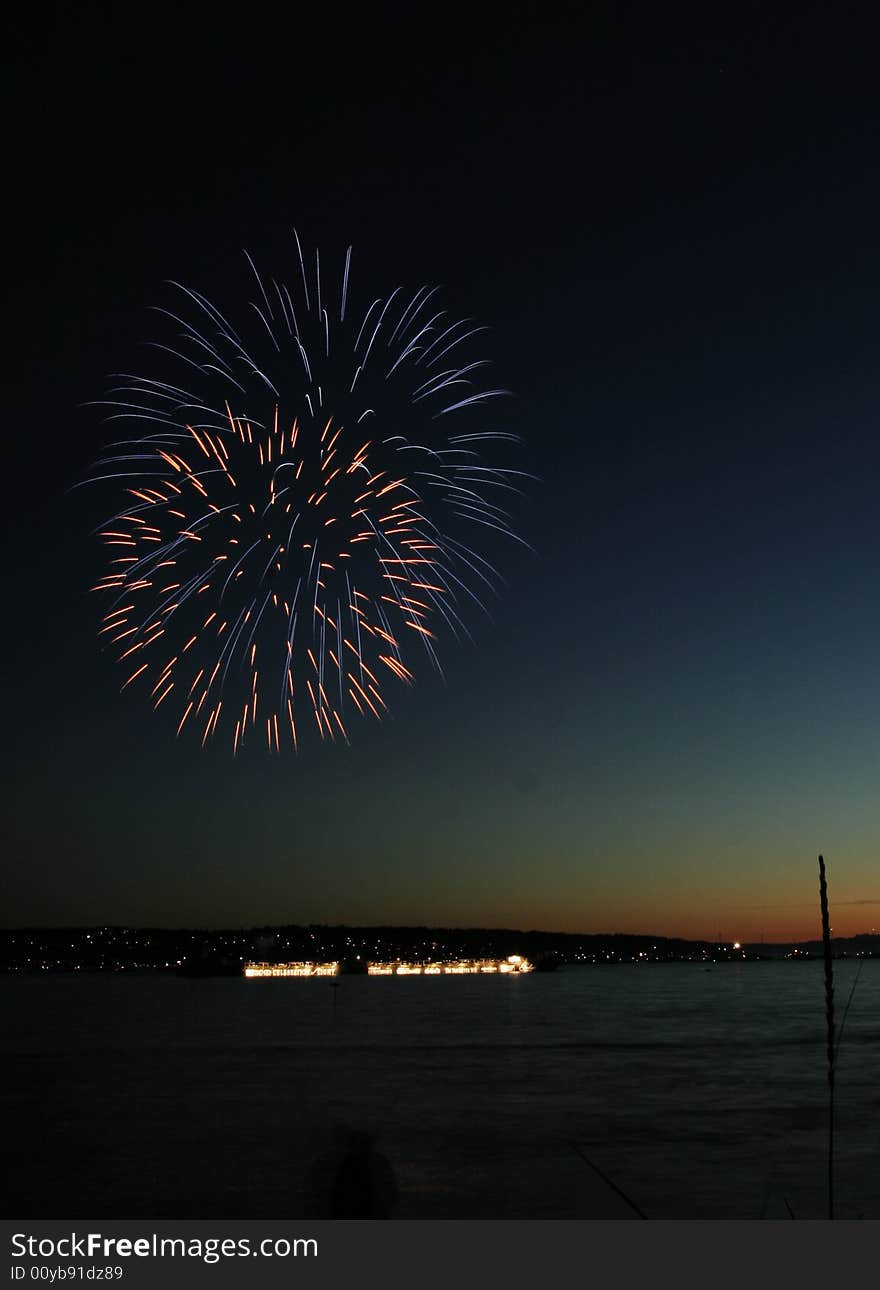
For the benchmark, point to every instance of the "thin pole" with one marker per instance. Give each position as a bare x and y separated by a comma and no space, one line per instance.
829,1022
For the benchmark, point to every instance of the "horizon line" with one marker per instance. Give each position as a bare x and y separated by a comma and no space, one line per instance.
411,927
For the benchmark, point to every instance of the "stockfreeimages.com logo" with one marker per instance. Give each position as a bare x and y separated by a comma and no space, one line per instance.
94,1245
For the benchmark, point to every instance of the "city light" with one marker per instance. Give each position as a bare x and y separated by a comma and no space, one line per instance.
514,964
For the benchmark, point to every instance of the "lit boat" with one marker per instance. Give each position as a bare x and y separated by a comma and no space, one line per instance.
514,964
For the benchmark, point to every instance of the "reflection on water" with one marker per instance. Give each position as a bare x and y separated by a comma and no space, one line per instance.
701,1094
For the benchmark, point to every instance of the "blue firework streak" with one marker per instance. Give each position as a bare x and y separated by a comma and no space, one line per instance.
298,526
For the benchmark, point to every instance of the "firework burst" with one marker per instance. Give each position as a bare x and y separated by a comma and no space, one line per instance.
297,528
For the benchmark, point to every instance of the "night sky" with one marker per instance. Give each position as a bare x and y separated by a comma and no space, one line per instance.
669,222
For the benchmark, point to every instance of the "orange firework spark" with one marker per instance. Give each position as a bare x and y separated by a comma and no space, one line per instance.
314,545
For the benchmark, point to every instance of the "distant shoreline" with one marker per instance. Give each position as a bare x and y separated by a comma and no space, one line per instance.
198,952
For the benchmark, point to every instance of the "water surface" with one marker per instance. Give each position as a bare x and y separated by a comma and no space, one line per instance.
701,1093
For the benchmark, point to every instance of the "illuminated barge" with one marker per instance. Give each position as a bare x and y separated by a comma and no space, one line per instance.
291,969
514,964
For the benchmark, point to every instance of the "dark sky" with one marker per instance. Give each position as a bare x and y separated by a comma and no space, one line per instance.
669,221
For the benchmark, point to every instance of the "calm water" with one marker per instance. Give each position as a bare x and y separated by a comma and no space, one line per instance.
701,1093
